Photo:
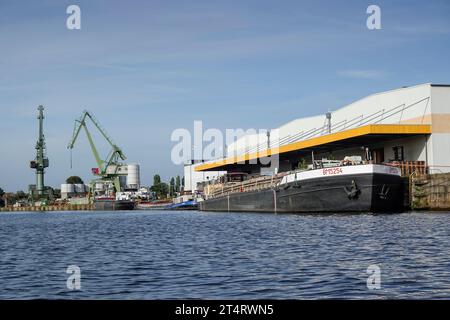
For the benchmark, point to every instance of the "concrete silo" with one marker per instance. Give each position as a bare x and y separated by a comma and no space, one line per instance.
133,177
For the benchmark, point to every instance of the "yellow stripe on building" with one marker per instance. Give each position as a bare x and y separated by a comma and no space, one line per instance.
406,129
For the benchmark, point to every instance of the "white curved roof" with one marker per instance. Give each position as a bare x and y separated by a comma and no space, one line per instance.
403,105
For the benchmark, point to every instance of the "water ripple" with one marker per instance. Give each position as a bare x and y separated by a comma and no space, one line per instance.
173,255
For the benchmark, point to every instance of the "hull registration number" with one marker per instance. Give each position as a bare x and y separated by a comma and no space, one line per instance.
332,171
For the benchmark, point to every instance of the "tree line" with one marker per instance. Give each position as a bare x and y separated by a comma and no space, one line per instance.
12,197
163,189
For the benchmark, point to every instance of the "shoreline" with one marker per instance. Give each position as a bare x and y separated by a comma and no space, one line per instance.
66,207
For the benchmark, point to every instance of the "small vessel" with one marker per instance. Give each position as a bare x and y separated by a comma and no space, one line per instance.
185,205
185,201
112,203
338,188
153,205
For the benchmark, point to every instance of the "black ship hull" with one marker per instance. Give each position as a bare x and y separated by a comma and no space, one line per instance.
108,205
371,192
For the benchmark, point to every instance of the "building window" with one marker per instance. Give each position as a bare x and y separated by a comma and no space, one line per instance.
399,154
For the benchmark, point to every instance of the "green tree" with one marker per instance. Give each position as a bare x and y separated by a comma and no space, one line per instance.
160,188
178,184
74,180
21,195
2,193
156,179
164,189
172,187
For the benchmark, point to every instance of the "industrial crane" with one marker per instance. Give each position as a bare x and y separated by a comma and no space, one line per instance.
41,161
109,169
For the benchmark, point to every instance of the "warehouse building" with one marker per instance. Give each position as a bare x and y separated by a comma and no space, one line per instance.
408,127
193,178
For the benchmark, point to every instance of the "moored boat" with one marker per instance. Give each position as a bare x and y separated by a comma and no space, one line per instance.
185,205
352,188
153,205
111,203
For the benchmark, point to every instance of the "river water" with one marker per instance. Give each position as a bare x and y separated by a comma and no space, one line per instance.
187,255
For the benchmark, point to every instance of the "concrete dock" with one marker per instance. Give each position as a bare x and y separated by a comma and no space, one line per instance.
66,207
430,191
422,192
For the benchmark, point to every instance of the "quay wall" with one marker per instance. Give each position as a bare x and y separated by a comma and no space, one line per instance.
67,207
430,191
421,192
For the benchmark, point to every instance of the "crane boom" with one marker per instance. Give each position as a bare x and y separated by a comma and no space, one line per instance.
115,154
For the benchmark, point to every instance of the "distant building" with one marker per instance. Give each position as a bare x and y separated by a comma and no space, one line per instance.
192,178
69,190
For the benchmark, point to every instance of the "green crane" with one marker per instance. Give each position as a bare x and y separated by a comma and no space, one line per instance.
109,169
41,161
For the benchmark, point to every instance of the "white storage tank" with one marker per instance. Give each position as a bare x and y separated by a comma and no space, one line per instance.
79,188
67,188
133,177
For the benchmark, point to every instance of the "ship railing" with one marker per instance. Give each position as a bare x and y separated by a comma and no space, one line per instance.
409,167
254,184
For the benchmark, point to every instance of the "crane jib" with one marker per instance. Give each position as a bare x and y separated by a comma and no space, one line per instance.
108,168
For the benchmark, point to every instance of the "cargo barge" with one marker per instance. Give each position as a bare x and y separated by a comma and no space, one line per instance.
152,205
108,204
352,188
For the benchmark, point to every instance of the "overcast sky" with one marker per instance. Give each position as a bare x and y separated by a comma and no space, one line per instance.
145,68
